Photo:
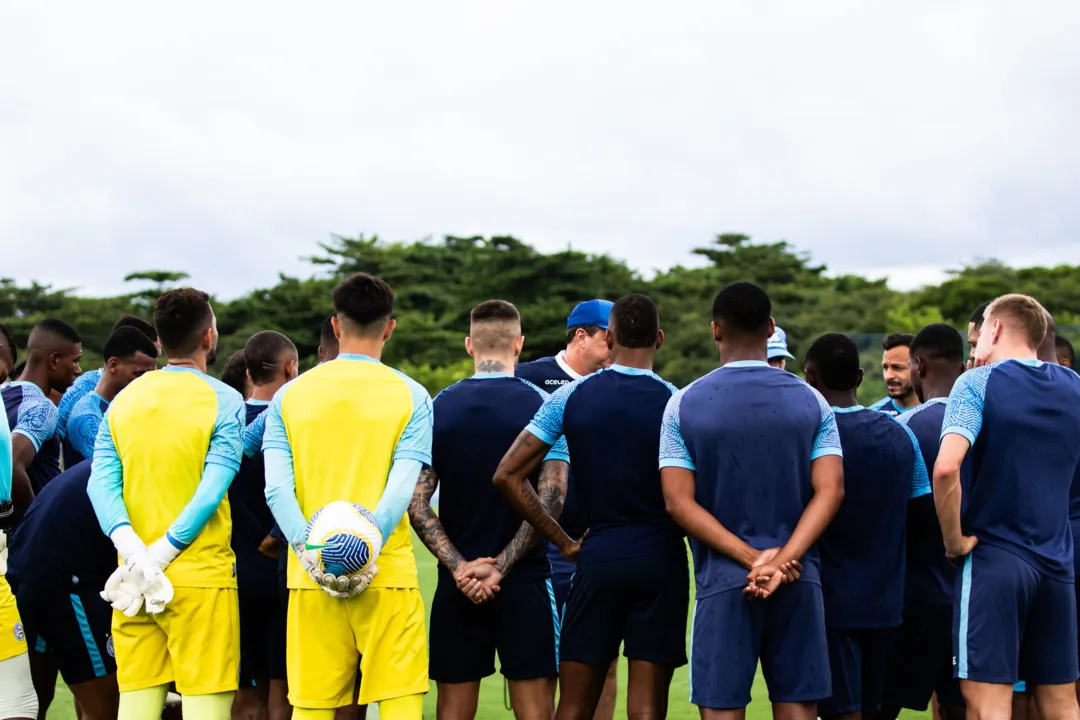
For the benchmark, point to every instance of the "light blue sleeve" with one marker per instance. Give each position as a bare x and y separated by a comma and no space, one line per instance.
36,420
83,426
5,466
280,474
253,435
964,410
920,478
827,440
82,386
673,450
547,424
560,450
106,485
222,461
400,484
415,440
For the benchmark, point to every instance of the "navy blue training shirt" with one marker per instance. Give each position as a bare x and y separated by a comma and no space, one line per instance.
549,374
1020,417
251,518
930,576
888,406
611,421
476,422
863,549
31,414
59,537
750,433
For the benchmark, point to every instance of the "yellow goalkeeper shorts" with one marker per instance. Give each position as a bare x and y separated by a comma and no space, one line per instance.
195,643
382,628
12,635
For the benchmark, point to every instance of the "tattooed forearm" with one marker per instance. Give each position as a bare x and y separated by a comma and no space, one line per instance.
490,366
551,489
427,524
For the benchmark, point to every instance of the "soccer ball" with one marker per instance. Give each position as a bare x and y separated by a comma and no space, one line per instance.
344,538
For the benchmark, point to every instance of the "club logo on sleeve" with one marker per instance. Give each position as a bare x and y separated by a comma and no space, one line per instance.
109,647
20,634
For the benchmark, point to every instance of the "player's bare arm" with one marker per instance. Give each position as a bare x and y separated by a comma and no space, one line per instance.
827,481
23,453
512,479
679,486
947,494
551,488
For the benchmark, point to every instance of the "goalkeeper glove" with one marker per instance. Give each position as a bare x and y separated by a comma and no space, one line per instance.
144,571
122,593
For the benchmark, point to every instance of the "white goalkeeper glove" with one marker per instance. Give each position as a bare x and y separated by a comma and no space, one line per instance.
345,586
122,592
3,553
142,575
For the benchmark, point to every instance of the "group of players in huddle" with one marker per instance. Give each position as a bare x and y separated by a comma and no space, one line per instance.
867,558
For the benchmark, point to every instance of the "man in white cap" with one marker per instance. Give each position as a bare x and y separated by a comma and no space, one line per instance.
778,352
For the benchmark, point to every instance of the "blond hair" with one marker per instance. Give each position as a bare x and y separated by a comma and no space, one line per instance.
1023,314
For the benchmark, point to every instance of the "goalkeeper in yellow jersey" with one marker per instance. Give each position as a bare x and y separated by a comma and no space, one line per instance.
164,458
356,430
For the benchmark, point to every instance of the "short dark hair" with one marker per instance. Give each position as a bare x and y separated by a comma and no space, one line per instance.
364,300
897,339
326,332
744,307
234,374
262,354
939,341
1062,343
126,342
181,316
494,327
57,328
636,321
590,330
494,310
979,315
139,324
835,357
9,340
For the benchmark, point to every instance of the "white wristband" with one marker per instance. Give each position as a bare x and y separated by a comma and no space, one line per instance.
127,542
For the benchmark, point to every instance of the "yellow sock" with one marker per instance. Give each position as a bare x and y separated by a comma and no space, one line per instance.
410,707
142,704
208,707
309,714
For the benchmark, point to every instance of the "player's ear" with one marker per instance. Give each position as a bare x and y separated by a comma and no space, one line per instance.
518,345
389,329
469,346
247,374
717,331
609,338
336,324
292,369
859,378
659,339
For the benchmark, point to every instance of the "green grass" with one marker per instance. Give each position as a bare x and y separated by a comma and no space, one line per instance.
491,690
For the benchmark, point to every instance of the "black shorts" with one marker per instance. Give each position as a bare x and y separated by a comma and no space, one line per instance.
73,625
857,660
921,660
262,638
640,603
520,623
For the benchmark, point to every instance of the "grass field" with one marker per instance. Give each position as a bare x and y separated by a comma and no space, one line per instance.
491,692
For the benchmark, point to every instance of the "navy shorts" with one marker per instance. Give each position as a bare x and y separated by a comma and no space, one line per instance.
1012,621
920,662
562,573
73,625
857,662
262,638
639,603
520,623
730,633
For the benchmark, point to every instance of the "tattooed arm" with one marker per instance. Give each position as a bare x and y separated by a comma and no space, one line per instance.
512,479
427,524
551,489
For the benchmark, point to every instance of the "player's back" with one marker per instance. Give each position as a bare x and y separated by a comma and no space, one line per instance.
59,536
863,549
476,422
161,427
78,390
344,419
251,516
545,373
751,432
930,576
82,426
31,414
1021,417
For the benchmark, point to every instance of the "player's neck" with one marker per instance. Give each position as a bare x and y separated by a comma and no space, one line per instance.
641,358
741,352
1013,351
36,375
265,393
573,357
194,362
106,389
839,398
934,388
907,401
362,346
494,364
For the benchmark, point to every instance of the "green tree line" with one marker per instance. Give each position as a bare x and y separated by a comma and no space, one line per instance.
438,282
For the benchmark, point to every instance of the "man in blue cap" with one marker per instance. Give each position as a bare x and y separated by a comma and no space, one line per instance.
778,351
586,352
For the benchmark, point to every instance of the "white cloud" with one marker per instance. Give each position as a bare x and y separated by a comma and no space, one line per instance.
228,141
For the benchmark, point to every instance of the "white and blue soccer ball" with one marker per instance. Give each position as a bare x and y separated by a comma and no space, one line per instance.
344,538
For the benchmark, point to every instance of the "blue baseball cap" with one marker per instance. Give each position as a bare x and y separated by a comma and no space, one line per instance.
778,345
591,312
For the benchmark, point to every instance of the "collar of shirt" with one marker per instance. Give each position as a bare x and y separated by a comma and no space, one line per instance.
851,409
356,357
257,402
490,375
560,360
747,364
625,370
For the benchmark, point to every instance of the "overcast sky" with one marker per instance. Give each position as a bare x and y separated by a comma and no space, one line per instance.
895,139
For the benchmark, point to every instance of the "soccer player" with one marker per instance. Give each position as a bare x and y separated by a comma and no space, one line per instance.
1015,604
631,587
753,471
17,697
271,361
165,456
778,354
353,429
234,374
9,354
87,381
328,342
894,365
920,663
1066,356
863,583
52,363
974,328
478,534
129,354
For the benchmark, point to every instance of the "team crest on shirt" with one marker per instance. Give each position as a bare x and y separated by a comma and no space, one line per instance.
20,634
109,647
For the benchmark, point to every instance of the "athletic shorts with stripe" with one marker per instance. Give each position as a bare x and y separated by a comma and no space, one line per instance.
1013,622
520,624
